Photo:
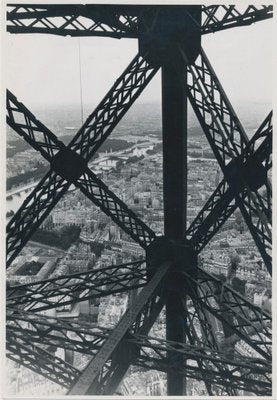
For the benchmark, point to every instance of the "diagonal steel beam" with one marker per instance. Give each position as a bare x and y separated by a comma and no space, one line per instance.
228,141
114,207
113,107
220,206
40,361
218,18
78,287
113,372
35,208
96,129
215,212
86,381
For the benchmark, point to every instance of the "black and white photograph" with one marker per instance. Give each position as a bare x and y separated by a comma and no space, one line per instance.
137,181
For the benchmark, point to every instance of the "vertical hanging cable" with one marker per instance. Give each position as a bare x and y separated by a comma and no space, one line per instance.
80,80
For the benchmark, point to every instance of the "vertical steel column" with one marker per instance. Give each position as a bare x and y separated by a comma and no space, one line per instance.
174,115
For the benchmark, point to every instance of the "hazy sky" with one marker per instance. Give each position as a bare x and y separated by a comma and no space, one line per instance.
44,69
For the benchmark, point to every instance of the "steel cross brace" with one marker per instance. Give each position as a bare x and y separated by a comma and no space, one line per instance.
220,206
31,328
74,288
250,323
118,21
71,161
228,140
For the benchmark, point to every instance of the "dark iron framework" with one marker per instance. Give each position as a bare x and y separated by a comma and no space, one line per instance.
170,274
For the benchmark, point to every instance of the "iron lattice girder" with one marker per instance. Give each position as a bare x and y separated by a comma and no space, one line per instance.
210,219
32,130
87,141
217,18
74,288
74,20
199,317
54,331
201,333
32,328
219,206
250,323
57,332
40,361
149,307
219,378
205,336
155,349
113,107
207,295
115,208
33,211
118,21
228,140
100,122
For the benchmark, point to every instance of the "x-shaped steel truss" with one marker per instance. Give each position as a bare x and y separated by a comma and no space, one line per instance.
234,153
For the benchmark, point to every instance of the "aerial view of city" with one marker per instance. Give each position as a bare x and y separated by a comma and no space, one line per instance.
82,253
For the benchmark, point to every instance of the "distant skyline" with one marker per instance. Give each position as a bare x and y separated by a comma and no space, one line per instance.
43,70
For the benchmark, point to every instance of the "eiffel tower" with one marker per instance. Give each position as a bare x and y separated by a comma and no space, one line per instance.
169,39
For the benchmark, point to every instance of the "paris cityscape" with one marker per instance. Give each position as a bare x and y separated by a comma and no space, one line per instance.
77,236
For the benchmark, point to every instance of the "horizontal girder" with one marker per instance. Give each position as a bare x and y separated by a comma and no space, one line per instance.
119,21
74,288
